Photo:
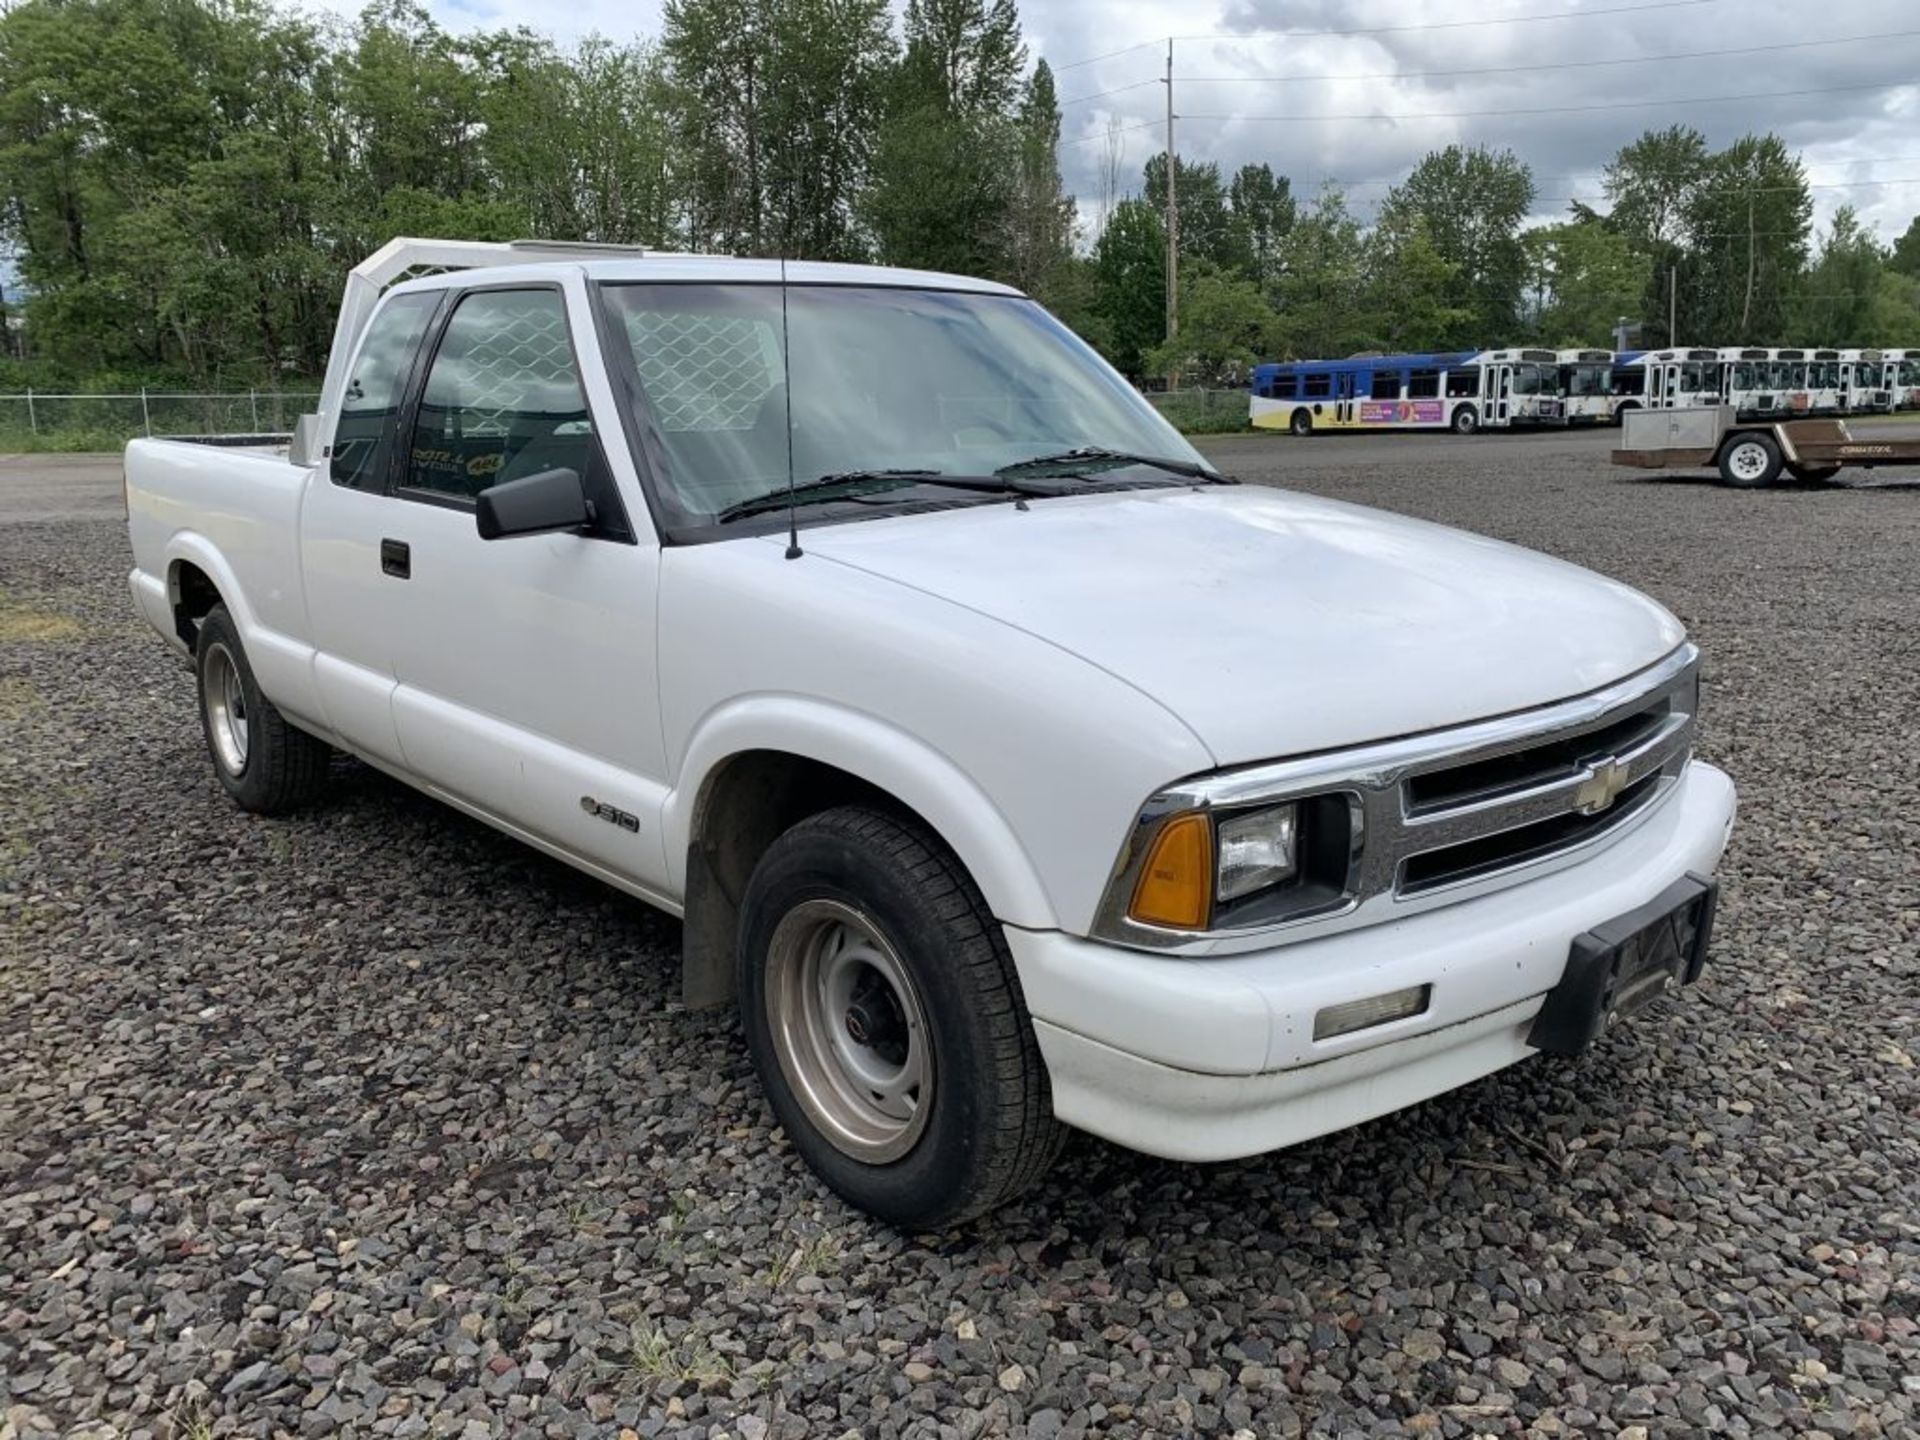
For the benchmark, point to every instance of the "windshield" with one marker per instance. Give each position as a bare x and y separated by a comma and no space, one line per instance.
1587,379
1536,380
883,379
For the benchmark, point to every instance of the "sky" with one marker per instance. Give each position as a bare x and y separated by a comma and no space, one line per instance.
1839,80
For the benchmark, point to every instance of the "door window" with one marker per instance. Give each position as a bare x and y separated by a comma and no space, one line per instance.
370,406
502,399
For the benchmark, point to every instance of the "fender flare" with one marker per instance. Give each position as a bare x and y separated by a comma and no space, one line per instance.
191,547
882,755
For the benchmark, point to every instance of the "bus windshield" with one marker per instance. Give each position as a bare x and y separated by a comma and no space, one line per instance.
1536,380
1586,379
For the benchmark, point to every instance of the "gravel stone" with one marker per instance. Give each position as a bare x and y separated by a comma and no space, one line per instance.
373,1122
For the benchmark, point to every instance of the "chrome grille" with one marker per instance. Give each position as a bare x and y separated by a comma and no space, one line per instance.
1445,815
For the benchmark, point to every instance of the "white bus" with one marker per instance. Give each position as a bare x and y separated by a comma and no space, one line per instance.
1665,379
1460,390
1754,383
1864,389
1902,371
1586,386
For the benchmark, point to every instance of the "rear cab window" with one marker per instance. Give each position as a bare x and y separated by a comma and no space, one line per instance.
370,406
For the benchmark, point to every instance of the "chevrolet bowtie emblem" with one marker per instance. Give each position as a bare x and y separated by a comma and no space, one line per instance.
1604,782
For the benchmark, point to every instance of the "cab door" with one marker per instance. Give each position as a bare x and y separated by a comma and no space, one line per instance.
347,589
526,665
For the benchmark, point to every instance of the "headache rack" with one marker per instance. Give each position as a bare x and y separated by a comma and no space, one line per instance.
408,258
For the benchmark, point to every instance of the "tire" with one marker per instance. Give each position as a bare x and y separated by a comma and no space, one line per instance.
887,1025
1750,462
1301,423
1815,474
264,763
1466,420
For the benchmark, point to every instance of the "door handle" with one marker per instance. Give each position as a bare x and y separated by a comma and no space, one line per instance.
396,559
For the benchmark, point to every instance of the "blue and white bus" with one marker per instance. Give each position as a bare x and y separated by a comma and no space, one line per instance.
1461,391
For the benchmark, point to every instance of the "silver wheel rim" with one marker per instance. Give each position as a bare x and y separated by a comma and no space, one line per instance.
849,1029
1748,461
226,702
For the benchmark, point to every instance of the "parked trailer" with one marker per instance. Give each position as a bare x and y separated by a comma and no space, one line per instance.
1751,454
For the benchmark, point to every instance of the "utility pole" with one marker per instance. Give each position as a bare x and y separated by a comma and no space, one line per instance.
1173,234
1746,310
1673,304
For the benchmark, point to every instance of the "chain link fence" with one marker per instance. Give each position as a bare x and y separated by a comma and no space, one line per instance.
1203,412
36,420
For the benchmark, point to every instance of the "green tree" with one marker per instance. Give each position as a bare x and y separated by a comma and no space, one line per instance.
1649,183
1206,224
1841,297
1040,215
945,168
1582,277
779,104
1906,250
580,144
1130,268
1226,325
1324,294
1471,203
1414,293
1263,214
1746,236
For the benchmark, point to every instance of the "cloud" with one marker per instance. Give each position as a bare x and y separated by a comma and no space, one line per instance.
1231,66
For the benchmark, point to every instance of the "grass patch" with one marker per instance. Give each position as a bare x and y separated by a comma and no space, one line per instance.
818,1256
654,1358
31,625
64,442
1204,412
18,699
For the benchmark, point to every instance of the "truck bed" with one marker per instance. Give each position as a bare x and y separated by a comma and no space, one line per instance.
220,507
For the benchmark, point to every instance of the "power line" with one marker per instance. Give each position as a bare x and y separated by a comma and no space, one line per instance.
1576,175
1527,110
1155,44
1509,69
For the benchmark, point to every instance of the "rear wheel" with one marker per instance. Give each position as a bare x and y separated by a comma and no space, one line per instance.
1466,420
1749,462
1301,423
1815,474
265,764
886,1022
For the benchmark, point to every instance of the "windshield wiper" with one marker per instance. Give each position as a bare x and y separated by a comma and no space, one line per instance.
1100,454
851,484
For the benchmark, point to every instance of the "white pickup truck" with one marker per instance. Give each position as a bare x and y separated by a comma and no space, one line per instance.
1011,767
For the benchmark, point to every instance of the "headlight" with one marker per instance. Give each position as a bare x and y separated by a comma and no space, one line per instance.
1256,850
1195,868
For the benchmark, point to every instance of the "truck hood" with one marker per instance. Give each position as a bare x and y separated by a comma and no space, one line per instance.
1275,624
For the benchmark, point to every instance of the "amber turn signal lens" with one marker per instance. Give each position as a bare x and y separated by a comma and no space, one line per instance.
1175,888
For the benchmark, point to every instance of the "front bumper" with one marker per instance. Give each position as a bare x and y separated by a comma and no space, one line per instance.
1212,1059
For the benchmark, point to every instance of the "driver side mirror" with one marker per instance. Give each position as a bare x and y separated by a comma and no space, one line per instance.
533,505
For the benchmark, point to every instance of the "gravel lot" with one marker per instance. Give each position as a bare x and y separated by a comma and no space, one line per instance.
375,1123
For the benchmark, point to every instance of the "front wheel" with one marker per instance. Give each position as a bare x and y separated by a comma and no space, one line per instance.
887,1025
1466,420
265,764
1750,462
1301,423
